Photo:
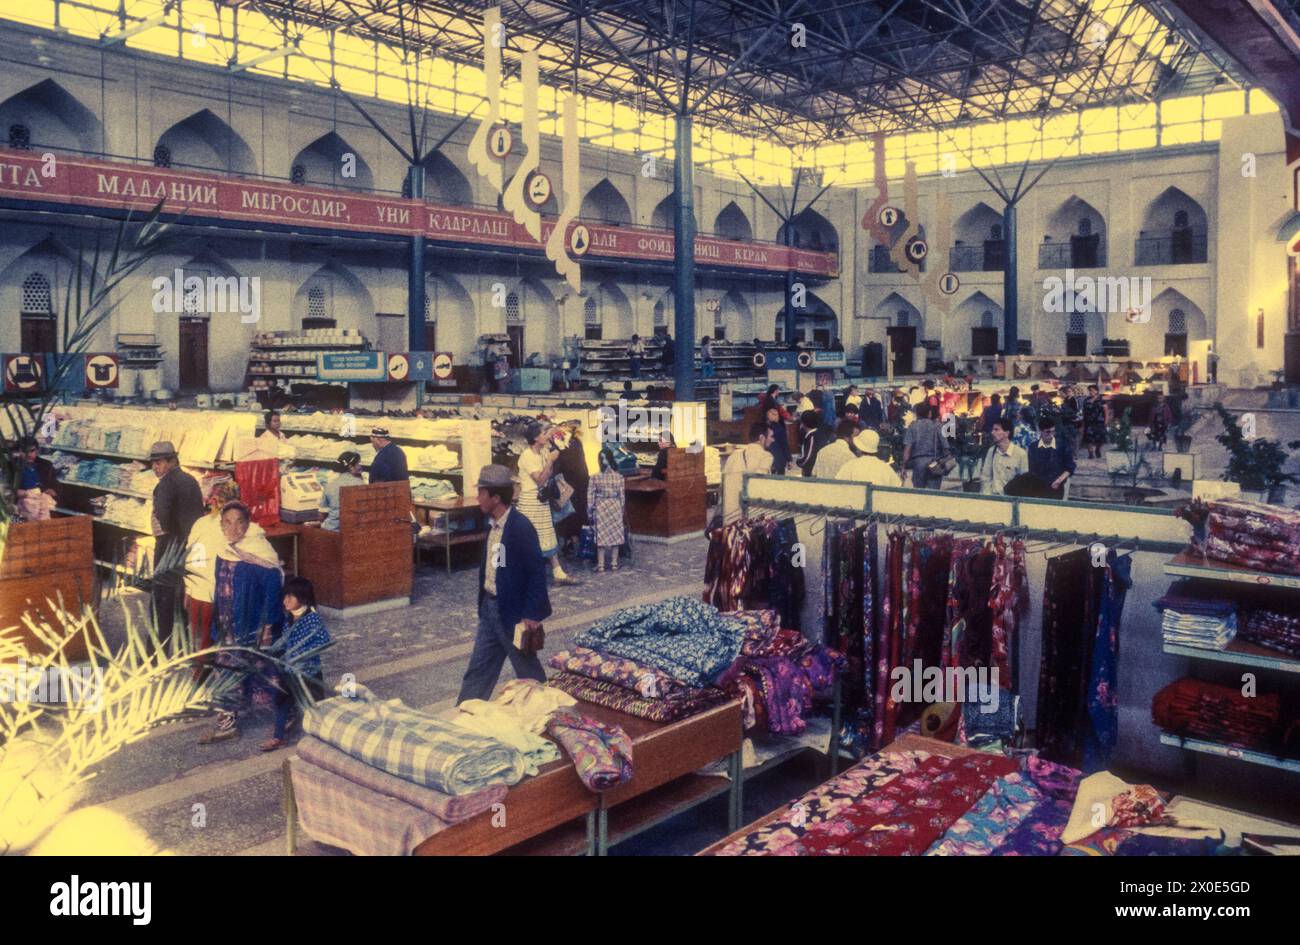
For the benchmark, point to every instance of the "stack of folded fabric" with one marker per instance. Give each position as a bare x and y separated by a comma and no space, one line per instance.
1253,535
379,777
656,661
1272,629
412,745
517,718
1194,617
1216,713
777,674
628,686
350,804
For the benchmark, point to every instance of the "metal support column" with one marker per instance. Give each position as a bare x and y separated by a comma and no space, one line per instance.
415,271
791,277
684,263
1010,298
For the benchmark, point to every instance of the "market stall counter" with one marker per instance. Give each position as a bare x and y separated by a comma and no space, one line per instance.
671,507
44,561
367,564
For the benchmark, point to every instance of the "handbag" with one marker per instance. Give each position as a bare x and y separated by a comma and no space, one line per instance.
564,492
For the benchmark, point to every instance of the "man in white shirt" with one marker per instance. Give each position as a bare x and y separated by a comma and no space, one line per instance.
1004,461
754,458
834,455
868,467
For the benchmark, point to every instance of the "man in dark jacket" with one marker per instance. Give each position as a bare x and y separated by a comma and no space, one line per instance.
1051,459
872,411
511,589
815,436
34,470
177,505
389,464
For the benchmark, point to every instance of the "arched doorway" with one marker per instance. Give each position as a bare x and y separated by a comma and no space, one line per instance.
205,142
330,161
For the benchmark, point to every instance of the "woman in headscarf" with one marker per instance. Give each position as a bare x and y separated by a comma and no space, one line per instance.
247,609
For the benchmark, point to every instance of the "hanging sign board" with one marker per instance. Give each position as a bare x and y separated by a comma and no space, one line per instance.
101,371
24,373
399,367
352,366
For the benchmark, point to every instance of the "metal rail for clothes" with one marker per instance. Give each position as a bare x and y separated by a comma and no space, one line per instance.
1134,526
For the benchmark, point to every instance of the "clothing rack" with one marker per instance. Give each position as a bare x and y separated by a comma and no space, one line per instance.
1137,529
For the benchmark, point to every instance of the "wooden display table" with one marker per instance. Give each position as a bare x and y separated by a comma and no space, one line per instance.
44,561
283,535
367,562
553,813
441,514
672,506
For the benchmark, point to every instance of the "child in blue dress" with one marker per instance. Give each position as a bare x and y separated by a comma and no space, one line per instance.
304,636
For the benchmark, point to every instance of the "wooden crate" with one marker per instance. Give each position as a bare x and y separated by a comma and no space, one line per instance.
43,562
369,558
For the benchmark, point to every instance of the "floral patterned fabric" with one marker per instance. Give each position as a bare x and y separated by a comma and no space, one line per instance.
613,696
1007,804
909,813
1103,682
645,681
601,753
687,639
750,563
823,803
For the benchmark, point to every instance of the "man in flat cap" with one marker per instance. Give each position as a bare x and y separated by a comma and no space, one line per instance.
511,589
390,462
177,505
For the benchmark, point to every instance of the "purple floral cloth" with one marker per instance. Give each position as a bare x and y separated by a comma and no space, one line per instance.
645,681
601,753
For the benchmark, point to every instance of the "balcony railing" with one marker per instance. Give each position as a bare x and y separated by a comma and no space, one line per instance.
987,257
1080,252
1173,250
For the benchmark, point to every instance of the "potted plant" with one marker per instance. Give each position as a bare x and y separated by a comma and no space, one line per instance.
1124,449
1254,463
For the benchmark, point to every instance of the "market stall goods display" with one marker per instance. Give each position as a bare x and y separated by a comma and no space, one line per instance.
951,801
1253,535
1218,713
1194,616
412,745
1272,629
350,804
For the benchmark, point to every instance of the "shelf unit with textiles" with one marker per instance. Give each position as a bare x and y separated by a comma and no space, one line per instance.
465,444
1239,583
1220,750
112,445
293,356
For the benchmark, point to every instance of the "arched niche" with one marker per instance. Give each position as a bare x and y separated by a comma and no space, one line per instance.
52,118
604,204
325,161
205,142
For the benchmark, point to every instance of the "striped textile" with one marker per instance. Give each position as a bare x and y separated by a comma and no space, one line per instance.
344,814
412,745
443,806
